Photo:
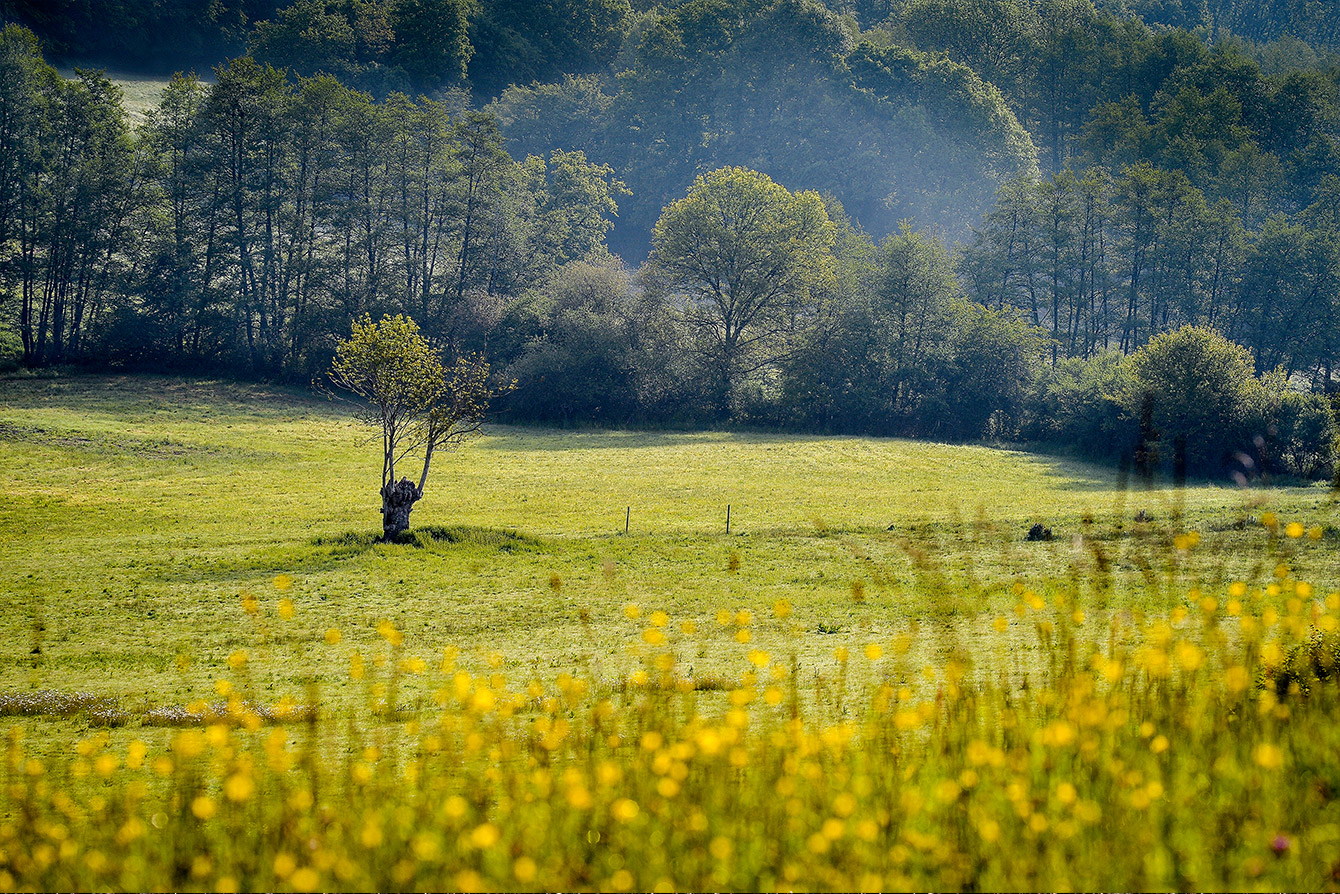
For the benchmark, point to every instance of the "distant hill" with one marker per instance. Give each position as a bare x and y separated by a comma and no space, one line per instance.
783,87
912,110
142,36
1316,22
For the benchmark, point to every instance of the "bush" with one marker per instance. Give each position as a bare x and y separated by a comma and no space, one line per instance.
11,350
1302,434
1202,388
1203,409
985,374
578,368
1079,402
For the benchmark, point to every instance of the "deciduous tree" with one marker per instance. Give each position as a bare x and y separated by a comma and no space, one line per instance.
745,253
1201,387
420,404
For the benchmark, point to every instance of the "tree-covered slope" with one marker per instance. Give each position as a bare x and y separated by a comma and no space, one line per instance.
148,36
916,109
1316,22
783,86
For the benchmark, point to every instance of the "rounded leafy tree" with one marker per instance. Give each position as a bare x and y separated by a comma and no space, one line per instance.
746,254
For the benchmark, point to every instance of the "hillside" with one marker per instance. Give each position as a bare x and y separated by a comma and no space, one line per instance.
142,506
864,108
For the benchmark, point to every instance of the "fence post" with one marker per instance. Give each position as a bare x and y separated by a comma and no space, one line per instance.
727,518
627,514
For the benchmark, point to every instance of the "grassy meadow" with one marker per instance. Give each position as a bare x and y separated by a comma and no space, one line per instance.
140,94
213,676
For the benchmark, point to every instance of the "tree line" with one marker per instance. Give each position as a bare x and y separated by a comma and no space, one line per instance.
246,224
382,46
1105,261
902,109
249,220
921,109
1255,20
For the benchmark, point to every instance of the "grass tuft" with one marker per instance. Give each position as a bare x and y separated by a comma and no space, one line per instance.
506,541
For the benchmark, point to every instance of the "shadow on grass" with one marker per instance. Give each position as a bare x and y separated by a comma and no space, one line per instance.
328,552
143,448
521,438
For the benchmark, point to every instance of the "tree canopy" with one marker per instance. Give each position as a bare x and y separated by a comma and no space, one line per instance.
787,88
1210,407
747,255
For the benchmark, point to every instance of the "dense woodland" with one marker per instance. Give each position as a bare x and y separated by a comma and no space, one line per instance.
1012,219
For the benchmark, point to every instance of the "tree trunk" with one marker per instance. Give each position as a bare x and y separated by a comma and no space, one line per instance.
1179,462
1147,449
398,500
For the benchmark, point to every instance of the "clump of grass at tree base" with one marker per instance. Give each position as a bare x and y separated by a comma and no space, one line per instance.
1159,754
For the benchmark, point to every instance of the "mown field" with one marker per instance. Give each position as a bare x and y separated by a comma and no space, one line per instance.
215,678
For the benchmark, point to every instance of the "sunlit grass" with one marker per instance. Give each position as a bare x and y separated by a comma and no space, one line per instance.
136,510
213,677
141,94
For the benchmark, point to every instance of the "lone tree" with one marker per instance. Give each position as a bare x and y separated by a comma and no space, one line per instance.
746,253
421,405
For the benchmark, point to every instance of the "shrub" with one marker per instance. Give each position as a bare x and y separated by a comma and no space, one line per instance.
11,350
1079,402
1301,434
985,374
1202,388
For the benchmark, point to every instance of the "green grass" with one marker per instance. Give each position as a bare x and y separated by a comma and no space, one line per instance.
140,95
872,682
135,511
